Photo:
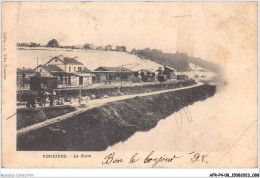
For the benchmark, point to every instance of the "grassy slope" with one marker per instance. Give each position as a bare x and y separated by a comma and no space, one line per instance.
91,59
27,57
30,116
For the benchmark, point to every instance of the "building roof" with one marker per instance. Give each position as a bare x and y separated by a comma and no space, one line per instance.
51,68
169,68
61,73
66,60
71,61
86,70
84,75
112,69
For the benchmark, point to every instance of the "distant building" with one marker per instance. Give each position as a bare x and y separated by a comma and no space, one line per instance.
111,74
169,72
120,48
69,71
100,48
31,44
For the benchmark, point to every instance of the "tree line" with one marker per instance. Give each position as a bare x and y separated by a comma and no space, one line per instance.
178,61
55,44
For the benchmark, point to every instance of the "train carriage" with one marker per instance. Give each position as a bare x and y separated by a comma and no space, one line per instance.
41,83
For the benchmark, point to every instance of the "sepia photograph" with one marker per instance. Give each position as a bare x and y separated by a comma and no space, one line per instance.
129,84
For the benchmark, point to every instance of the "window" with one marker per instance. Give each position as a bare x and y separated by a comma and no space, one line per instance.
80,80
61,80
40,70
79,69
69,69
56,60
74,69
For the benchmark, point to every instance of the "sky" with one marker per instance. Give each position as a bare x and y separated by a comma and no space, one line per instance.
200,29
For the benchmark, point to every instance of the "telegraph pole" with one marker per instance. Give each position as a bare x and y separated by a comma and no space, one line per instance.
121,78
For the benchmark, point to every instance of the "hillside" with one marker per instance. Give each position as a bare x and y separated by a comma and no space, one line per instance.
92,59
178,61
210,66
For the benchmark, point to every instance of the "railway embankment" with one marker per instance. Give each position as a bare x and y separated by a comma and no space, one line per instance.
99,127
112,90
29,116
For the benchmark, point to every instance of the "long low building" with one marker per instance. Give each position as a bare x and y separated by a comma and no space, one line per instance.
111,74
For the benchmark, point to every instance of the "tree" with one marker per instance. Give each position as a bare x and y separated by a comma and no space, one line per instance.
86,46
142,74
89,46
136,74
147,49
53,43
133,51
123,48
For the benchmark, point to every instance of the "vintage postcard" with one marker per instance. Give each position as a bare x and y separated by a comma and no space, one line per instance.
129,85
